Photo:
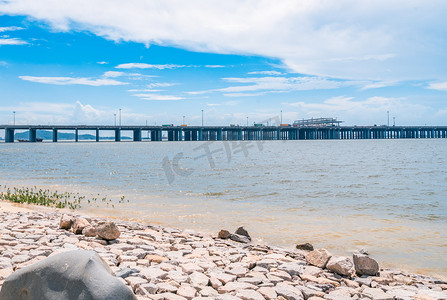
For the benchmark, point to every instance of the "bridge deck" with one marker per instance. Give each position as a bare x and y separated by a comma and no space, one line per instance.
218,133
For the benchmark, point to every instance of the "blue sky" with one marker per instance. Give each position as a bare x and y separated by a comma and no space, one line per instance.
81,61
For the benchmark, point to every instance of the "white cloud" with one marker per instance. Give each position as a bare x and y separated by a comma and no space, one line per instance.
370,111
12,41
378,40
378,84
441,86
102,63
160,84
3,63
258,86
282,84
69,113
147,66
158,97
144,91
214,66
72,80
10,28
271,73
114,74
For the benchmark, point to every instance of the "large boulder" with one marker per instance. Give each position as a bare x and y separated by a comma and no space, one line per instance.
305,246
318,257
224,234
108,231
65,222
241,231
78,274
341,265
79,224
365,265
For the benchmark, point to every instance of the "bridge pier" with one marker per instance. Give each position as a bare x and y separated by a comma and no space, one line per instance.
32,135
117,135
137,135
76,135
54,135
9,135
97,134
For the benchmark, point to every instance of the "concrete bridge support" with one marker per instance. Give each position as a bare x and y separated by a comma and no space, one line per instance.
32,135
137,135
117,135
97,135
9,135
54,135
76,135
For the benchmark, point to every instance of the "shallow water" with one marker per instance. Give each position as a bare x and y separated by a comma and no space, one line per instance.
388,196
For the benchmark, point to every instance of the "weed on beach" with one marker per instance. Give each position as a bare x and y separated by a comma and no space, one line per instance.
49,198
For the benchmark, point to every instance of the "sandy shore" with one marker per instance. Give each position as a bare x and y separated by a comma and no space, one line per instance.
166,263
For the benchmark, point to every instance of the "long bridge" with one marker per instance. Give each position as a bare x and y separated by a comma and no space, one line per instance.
237,133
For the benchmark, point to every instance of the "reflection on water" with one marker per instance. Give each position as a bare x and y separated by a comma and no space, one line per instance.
389,196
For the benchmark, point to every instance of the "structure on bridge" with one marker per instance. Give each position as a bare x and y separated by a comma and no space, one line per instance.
239,133
318,122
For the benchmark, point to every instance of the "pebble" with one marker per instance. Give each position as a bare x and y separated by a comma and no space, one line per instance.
162,263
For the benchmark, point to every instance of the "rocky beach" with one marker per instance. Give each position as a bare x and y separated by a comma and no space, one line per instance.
154,262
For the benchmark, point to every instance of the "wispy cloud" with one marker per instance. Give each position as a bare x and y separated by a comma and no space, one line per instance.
12,41
440,86
282,84
258,86
72,81
102,63
378,84
114,74
148,66
160,84
214,66
271,73
158,97
10,28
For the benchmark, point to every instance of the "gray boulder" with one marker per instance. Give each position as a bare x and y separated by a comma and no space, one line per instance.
70,275
365,265
241,231
240,238
108,231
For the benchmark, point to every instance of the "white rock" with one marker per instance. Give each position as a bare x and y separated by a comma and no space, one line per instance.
341,265
318,257
249,295
198,279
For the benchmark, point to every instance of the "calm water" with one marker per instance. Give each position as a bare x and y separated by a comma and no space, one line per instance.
387,196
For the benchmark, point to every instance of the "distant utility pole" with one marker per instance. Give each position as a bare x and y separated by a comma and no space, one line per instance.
183,120
388,118
120,116
14,117
247,121
281,116
115,118
394,121
202,117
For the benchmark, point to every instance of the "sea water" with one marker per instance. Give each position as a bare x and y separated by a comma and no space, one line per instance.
386,196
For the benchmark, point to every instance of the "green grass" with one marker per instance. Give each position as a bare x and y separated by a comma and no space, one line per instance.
49,198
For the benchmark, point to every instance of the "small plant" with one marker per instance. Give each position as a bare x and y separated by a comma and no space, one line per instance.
48,198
